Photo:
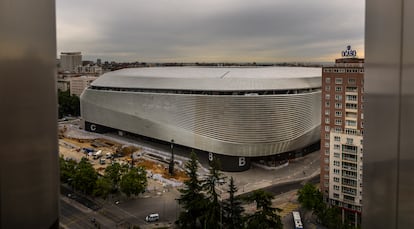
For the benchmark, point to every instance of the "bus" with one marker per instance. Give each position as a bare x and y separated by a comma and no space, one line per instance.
296,220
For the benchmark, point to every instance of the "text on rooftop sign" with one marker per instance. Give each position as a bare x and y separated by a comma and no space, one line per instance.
349,52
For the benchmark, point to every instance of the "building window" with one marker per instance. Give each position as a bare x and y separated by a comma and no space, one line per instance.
352,106
326,144
326,120
338,97
351,98
338,80
351,81
338,129
338,105
327,80
337,155
338,122
327,136
337,147
351,89
338,113
336,195
337,138
327,96
350,123
327,88
327,160
336,187
327,112
336,163
349,141
336,171
327,128
327,103
327,152
336,179
338,89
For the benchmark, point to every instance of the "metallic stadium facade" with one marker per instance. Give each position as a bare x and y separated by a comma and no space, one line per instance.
234,113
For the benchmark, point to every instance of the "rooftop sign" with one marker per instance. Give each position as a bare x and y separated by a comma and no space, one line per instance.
349,52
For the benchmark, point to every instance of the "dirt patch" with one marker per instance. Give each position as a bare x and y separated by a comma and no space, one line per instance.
75,146
162,169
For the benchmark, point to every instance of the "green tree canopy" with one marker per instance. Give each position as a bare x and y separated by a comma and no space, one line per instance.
212,216
67,170
232,209
114,173
85,177
310,197
191,199
68,104
134,181
265,216
103,187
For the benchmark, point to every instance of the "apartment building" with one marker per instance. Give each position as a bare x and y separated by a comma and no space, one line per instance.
341,134
78,84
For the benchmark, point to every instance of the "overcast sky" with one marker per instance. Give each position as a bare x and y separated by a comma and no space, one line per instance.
210,30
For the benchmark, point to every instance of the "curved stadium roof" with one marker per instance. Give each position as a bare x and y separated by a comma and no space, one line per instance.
213,79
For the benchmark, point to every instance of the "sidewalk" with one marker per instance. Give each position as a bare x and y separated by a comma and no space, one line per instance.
255,178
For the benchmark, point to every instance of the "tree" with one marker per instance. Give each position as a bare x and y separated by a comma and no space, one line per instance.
212,216
310,197
134,181
232,209
103,187
113,173
265,216
67,170
68,104
85,176
191,199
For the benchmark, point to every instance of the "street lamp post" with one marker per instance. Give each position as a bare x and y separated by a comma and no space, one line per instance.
171,166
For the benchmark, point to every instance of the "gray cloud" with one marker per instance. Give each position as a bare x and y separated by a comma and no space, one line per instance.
195,30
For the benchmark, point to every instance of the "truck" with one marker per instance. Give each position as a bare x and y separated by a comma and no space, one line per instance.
102,161
97,154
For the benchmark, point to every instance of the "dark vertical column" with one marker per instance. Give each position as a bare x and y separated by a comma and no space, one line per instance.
406,168
386,133
28,130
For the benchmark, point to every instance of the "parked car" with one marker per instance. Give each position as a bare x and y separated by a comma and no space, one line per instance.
152,217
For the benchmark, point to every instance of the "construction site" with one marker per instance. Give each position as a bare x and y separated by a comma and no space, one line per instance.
101,152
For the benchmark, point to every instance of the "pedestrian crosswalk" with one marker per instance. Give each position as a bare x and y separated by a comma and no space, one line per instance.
287,208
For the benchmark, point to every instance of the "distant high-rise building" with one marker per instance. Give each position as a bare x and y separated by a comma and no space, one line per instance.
69,61
98,62
78,84
341,134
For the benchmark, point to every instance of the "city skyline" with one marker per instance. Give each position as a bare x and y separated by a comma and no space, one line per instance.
210,31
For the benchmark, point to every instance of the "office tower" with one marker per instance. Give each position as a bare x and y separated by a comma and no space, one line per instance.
69,61
341,134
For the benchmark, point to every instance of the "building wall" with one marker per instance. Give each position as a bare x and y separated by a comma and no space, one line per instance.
29,171
69,61
388,140
78,84
247,126
345,180
342,97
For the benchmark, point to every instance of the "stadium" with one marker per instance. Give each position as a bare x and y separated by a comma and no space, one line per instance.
237,114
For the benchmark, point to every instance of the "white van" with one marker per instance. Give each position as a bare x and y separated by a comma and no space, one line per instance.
152,217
